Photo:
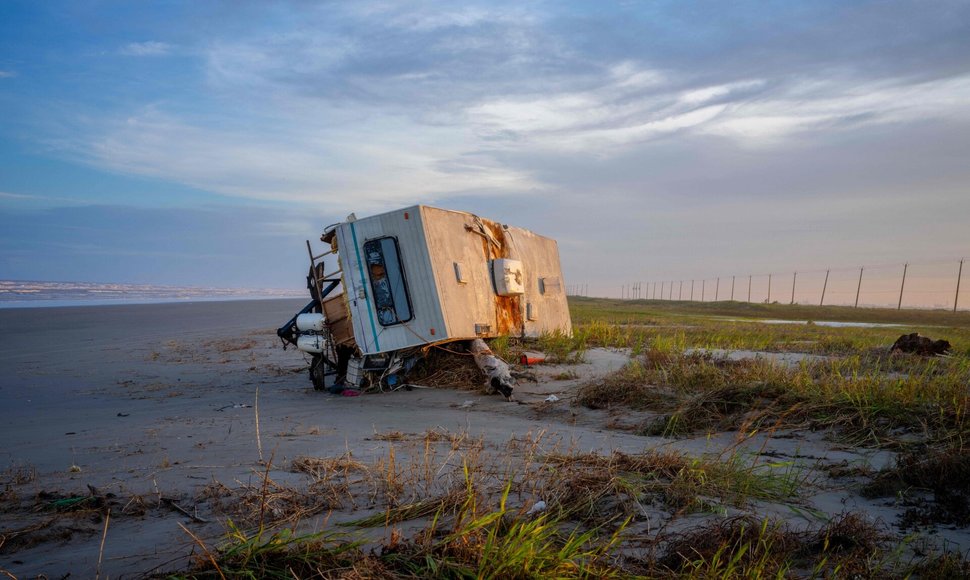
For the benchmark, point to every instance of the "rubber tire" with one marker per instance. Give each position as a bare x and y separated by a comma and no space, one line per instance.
318,368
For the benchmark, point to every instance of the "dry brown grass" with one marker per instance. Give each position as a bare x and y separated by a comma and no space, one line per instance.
850,546
933,483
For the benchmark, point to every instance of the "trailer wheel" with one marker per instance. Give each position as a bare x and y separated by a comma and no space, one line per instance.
319,369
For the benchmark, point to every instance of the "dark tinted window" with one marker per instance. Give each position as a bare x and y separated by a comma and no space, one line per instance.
387,281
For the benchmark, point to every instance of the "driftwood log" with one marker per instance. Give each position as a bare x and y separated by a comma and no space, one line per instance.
497,371
921,345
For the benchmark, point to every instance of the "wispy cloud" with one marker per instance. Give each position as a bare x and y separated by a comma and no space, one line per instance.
7,74
147,48
375,103
373,162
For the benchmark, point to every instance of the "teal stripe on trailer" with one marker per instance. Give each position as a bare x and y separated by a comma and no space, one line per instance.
363,281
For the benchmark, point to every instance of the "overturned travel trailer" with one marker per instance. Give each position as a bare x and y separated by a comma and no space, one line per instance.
388,286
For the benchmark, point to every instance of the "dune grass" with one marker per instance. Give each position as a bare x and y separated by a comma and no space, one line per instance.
451,506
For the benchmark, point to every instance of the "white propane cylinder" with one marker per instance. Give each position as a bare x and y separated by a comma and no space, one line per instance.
310,321
313,343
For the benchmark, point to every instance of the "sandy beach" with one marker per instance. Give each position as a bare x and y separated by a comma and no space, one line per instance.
146,409
159,400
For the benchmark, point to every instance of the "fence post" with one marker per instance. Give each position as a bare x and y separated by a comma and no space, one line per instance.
749,289
769,289
956,299
732,288
824,286
859,287
901,286
793,278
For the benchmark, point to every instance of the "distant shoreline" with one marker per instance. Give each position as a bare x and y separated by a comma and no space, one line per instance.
45,294
80,302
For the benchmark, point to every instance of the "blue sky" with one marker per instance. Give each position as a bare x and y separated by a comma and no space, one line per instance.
202,142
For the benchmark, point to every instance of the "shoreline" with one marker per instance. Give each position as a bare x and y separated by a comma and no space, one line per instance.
69,303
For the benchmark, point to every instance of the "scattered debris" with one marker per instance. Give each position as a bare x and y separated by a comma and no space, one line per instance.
551,399
497,370
530,358
915,344
537,507
235,406
175,506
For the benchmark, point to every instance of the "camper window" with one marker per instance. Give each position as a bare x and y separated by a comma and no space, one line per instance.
387,281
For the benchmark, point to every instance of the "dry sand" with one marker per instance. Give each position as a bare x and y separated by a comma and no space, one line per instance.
159,400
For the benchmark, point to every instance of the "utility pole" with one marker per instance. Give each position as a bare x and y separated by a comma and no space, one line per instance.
691,290
824,286
671,290
859,287
703,283
769,289
717,288
732,288
793,278
749,288
901,286
680,293
956,299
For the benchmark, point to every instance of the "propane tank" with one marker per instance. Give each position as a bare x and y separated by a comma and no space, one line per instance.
310,321
312,343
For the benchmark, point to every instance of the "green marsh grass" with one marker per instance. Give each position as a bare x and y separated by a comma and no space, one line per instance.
735,326
869,399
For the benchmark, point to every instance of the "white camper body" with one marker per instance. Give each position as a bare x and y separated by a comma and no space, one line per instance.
423,275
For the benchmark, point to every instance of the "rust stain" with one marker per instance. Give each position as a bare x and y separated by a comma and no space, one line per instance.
508,310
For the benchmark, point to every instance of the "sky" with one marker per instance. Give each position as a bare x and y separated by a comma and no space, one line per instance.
200,143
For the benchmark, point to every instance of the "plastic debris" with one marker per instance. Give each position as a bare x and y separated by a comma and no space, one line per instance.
467,404
529,358
536,508
551,399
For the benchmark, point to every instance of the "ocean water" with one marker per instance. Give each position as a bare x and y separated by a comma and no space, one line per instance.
33,294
